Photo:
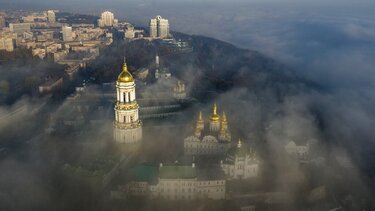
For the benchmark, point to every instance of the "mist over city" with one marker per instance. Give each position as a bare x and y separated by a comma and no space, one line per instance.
187,105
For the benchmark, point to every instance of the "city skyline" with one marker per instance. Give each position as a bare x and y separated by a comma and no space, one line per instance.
227,106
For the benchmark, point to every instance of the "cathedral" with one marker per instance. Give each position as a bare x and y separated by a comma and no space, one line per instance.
211,137
127,126
179,91
241,162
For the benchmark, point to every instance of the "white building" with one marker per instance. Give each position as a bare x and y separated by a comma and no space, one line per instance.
178,182
19,28
129,32
51,16
107,19
241,162
299,151
211,138
67,33
179,91
127,126
39,52
159,27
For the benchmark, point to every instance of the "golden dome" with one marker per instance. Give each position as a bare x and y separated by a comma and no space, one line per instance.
214,116
200,117
125,75
224,118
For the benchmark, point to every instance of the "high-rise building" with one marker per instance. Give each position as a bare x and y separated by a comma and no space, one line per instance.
127,126
153,28
107,19
67,33
159,27
51,16
2,22
19,28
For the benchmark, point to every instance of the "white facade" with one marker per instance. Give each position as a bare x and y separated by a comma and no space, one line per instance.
19,28
179,91
209,138
209,145
182,183
301,151
240,163
107,19
159,27
128,127
67,33
188,189
7,43
51,16
129,32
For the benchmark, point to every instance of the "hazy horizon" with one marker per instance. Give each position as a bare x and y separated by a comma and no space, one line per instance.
330,45
302,35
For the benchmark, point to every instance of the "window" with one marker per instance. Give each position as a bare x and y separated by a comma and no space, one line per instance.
124,95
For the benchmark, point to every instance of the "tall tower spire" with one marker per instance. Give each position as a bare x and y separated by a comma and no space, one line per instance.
200,125
200,118
224,133
127,125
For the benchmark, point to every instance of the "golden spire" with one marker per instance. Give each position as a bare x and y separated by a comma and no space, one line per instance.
214,116
200,117
125,75
200,124
224,119
239,144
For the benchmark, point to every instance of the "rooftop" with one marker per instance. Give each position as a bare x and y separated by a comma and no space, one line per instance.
177,172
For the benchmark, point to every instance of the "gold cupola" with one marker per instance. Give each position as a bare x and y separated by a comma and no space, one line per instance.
224,123
125,75
214,116
224,119
200,122
200,117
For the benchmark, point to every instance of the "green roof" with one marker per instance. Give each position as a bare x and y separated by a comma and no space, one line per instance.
143,172
177,172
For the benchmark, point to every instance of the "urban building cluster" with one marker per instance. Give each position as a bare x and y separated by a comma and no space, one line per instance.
211,137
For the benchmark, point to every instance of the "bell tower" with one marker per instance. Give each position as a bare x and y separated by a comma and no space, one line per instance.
127,125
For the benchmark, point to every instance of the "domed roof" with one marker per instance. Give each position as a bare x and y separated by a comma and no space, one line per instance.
214,116
125,75
240,151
